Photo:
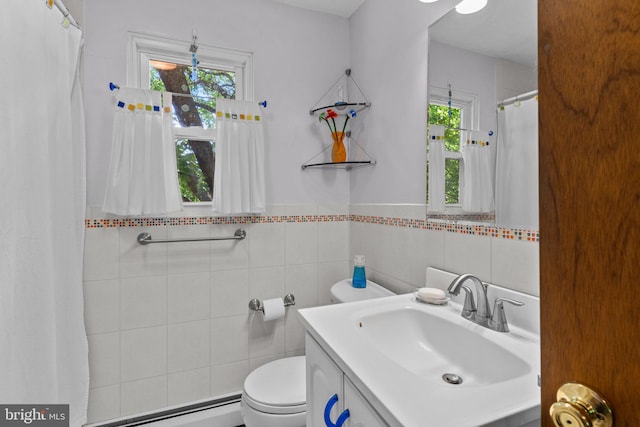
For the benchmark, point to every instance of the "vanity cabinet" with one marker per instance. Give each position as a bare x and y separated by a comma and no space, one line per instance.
332,399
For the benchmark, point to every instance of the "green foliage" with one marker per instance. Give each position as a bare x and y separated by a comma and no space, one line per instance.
193,184
210,84
451,118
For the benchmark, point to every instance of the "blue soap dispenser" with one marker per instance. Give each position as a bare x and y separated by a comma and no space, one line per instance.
359,276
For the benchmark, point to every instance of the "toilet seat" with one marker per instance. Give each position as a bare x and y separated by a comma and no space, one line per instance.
279,387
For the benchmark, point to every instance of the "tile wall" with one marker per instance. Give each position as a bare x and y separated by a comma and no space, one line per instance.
168,323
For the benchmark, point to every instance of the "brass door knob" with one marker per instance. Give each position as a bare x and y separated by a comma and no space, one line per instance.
580,406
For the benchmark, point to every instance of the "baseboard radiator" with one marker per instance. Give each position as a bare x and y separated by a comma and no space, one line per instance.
172,413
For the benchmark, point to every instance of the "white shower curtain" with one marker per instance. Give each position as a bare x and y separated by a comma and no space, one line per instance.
143,175
43,346
477,195
436,169
517,166
239,185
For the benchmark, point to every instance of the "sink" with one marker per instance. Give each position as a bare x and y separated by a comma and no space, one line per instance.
399,351
428,345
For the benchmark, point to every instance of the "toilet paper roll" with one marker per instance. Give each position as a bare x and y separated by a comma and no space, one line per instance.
273,309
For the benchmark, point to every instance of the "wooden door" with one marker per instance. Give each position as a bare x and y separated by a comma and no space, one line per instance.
589,99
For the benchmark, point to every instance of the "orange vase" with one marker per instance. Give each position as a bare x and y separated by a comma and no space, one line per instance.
338,151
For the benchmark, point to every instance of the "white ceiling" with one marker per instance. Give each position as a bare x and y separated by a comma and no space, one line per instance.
344,8
503,29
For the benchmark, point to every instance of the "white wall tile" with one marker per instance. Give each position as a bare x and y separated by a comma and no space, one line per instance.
188,257
229,293
229,339
104,359
516,265
230,254
143,302
142,260
104,403
143,395
143,353
188,386
302,281
266,283
301,242
333,241
188,297
425,250
188,346
468,254
256,362
294,331
265,338
330,273
229,377
101,306
266,245
101,253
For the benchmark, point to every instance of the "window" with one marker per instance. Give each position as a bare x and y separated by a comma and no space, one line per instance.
451,119
165,65
454,113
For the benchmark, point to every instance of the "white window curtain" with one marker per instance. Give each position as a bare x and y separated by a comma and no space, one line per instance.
43,345
517,166
239,185
143,176
477,194
436,169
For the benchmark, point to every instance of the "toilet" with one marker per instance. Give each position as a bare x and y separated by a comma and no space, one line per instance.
274,395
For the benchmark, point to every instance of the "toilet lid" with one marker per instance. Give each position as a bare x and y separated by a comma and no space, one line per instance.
278,386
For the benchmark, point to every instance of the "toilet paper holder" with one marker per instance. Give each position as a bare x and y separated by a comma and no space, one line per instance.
256,304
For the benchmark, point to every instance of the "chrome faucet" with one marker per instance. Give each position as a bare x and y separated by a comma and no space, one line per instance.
483,312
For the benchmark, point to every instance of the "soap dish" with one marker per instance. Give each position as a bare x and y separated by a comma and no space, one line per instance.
431,301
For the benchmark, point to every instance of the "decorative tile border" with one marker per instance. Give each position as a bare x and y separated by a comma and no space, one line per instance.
422,224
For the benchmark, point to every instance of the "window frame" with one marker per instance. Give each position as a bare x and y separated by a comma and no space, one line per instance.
142,48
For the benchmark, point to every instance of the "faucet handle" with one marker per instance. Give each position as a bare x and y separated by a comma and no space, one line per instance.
498,321
469,309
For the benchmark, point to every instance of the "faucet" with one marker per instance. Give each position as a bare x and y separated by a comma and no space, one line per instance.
483,312
481,315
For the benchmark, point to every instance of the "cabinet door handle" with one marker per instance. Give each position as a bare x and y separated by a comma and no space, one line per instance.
327,413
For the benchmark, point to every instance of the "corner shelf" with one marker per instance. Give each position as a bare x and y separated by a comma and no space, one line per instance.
348,165
325,104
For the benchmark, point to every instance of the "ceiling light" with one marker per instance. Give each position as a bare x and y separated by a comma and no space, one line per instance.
428,1
466,7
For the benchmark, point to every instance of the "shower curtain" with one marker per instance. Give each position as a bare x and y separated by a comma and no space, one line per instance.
43,346
517,166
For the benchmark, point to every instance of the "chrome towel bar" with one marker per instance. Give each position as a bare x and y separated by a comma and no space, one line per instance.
145,238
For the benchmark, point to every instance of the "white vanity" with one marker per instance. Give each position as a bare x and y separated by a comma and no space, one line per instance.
397,362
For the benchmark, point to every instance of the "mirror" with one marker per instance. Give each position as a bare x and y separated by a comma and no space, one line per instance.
477,62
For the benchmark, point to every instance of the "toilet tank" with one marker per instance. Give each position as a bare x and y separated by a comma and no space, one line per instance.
342,291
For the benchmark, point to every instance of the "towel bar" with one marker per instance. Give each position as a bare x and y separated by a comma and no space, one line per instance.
145,238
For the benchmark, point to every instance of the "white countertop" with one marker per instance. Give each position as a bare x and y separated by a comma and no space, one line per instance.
405,399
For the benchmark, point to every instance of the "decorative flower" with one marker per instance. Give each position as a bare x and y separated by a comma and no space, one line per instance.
331,114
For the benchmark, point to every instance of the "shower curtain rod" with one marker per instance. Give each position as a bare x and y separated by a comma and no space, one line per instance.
517,98
65,12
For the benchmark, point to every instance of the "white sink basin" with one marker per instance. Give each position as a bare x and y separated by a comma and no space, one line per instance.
429,346
397,350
